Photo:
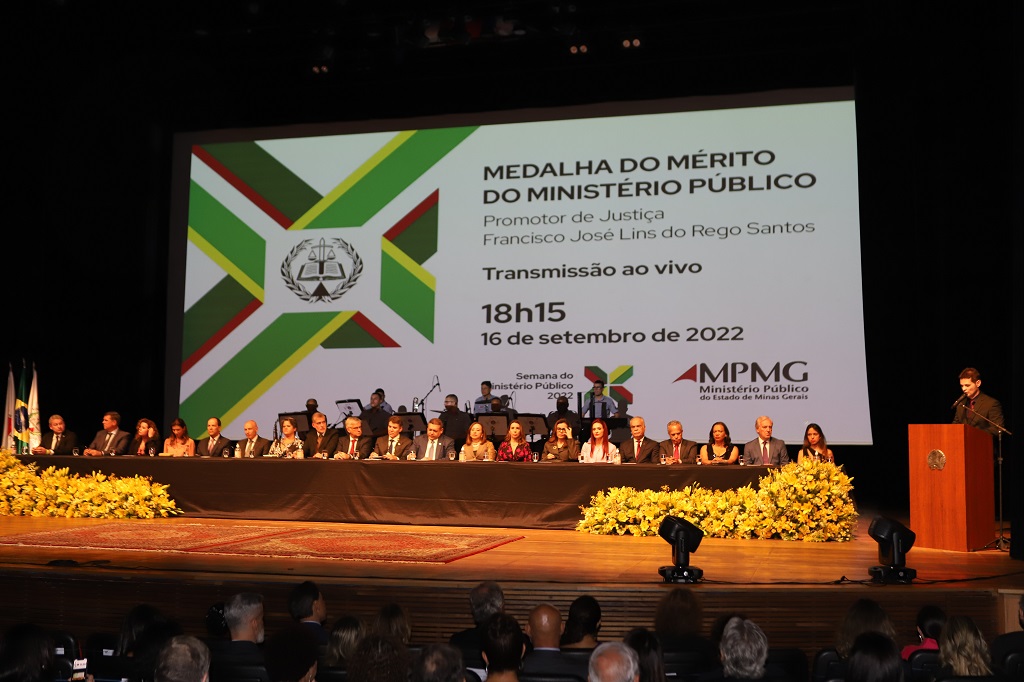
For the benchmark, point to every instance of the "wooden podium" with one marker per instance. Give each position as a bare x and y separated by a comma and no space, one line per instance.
951,486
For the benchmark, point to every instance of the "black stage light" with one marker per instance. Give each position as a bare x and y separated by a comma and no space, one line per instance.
894,541
684,538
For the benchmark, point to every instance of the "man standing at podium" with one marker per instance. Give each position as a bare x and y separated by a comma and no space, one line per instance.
974,408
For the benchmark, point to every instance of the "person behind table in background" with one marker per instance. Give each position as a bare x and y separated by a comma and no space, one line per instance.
147,438
456,422
514,448
478,447
289,445
719,449
179,444
56,441
353,444
110,440
393,445
217,444
815,447
598,448
483,403
677,450
561,446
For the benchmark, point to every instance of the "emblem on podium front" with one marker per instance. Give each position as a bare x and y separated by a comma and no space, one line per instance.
937,460
328,269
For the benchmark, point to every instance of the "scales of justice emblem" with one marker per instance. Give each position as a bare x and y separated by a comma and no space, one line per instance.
322,270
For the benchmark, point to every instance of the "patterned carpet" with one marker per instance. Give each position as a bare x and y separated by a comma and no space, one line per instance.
269,541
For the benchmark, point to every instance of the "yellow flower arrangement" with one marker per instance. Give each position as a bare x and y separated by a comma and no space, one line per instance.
809,501
54,492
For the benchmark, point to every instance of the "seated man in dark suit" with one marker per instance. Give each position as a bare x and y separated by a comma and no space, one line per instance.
307,605
243,614
354,445
216,445
544,628
676,449
765,450
56,441
394,445
485,600
254,445
639,448
433,444
1003,645
110,440
320,439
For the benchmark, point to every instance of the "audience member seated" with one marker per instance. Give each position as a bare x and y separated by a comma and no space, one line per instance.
291,655
438,663
744,652
648,651
963,651
544,629
26,655
677,621
614,662
307,605
344,638
243,614
393,621
183,659
1004,645
503,647
874,658
929,626
135,623
485,600
864,615
379,659
582,624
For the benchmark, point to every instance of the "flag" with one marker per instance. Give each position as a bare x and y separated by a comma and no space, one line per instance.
21,415
8,441
35,434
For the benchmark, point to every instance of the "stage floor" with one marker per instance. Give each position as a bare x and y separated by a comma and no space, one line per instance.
796,591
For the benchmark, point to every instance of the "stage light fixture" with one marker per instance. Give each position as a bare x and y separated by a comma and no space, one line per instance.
684,538
894,541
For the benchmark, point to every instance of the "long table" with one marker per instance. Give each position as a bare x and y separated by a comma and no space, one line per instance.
502,494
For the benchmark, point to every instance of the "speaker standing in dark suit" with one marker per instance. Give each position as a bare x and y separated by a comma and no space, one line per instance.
320,439
432,445
216,445
764,449
677,450
354,445
56,441
254,445
639,448
984,407
111,440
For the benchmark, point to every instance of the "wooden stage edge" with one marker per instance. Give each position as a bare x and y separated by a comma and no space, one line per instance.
796,591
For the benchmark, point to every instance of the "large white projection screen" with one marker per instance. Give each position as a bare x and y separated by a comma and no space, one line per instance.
704,262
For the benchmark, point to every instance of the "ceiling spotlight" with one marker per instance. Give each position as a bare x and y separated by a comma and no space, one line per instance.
684,538
894,541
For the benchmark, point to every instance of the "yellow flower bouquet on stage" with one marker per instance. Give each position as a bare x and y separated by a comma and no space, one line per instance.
54,492
809,501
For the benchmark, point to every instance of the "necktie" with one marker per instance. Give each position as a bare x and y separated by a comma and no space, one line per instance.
248,449
212,445
675,454
56,442
391,448
636,450
106,446
351,445
764,452
972,403
430,449
319,437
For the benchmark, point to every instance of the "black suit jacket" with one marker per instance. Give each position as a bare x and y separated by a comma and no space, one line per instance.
203,447
648,451
548,662
986,406
261,448
364,446
688,451
444,446
68,440
118,446
328,444
380,448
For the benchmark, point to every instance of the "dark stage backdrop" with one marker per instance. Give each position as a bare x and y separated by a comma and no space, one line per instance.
97,98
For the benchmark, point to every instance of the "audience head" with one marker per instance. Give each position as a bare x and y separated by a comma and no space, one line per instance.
544,626
865,615
614,662
678,614
216,626
306,602
1020,612
379,659
743,649
718,627
874,658
26,654
244,615
649,655
344,639
485,600
501,644
438,663
963,649
183,659
393,621
135,623
584,619
291,655
930,620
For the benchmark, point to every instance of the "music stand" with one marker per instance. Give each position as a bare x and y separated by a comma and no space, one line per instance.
534,424
497,422
350,407
412,421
